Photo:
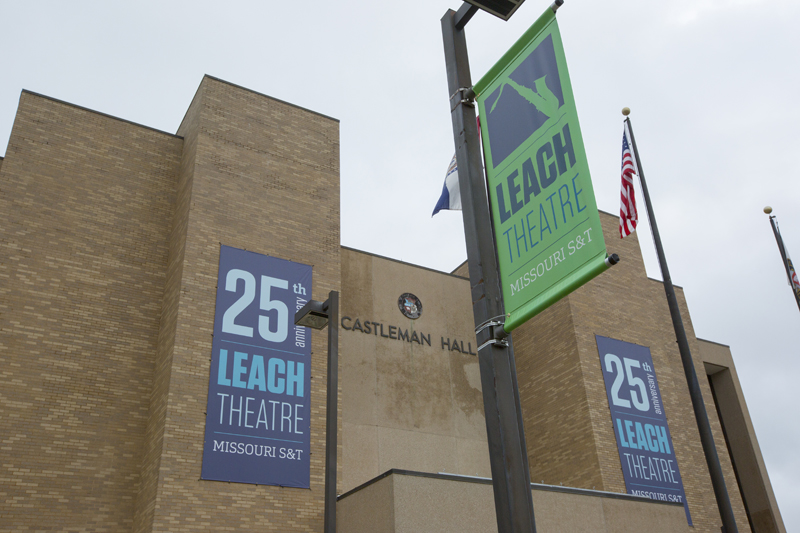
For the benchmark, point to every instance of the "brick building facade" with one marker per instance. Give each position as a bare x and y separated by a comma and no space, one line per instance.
111,234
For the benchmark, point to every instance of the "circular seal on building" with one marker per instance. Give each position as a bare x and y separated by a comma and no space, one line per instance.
409,305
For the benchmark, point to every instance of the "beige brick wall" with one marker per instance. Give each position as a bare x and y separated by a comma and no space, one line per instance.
744,449
158,396
624,304
86,202
415,406
262,175
558,427
110,234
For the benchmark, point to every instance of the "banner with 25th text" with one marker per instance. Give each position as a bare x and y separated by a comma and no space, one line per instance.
546,225
644,442
258,415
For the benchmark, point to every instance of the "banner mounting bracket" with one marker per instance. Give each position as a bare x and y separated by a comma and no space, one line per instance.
464,95
497,336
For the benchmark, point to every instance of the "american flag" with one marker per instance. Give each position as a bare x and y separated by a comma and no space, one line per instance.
627,198
793,281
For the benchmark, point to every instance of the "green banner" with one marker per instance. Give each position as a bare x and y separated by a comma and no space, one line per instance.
546,225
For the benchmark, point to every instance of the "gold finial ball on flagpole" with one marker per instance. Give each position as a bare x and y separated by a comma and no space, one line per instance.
626,111
768,210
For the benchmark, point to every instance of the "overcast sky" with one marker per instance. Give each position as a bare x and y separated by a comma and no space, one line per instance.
713,85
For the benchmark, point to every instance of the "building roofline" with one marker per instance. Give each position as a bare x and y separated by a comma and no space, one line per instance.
76,106
403,262
662,282
209,76
488,481
462,263
714,342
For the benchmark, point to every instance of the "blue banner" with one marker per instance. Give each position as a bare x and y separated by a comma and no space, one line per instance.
258,416
640,423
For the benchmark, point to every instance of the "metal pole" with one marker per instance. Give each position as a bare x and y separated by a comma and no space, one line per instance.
706,437
331,425
505,433
782,250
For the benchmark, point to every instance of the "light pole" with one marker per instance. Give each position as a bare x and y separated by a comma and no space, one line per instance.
317,315
508,454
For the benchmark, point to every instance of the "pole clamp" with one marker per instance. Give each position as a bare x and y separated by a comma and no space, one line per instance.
496,337
464,95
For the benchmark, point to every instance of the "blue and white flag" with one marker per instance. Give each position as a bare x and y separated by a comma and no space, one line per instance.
451,195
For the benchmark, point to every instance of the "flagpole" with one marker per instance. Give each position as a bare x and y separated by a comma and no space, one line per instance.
703,425
782,250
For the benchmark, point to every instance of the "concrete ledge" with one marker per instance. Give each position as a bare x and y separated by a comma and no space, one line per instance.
400,501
